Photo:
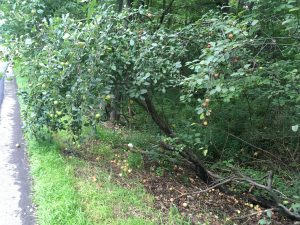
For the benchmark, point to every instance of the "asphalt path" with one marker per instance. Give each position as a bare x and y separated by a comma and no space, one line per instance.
15,194
3,68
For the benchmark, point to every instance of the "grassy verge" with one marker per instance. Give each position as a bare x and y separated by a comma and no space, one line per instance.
68,190
75,190
54,193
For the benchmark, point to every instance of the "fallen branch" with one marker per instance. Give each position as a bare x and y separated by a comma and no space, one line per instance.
218,184
272,192
217,181
205,175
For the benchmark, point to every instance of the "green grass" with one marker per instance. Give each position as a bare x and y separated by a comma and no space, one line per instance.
73,191
106,202
53,187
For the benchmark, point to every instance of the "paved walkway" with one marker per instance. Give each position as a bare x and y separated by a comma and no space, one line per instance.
3,67
15,203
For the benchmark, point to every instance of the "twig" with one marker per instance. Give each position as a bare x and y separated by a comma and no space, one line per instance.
254,146
291,215
210,188
225,181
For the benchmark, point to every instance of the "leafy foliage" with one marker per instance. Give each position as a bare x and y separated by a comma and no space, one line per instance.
222,81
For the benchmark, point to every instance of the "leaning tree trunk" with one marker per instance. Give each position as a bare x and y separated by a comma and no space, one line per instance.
149,107
164,126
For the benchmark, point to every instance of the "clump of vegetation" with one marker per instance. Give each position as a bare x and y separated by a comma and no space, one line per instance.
216,86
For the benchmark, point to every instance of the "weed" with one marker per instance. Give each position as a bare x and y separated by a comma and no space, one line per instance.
135,160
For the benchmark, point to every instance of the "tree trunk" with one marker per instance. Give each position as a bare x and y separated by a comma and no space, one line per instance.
166,10
124,4
120,5
114,114
128,3
148,105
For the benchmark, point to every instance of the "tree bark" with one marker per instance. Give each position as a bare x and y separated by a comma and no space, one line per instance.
166,10
148,105
114,114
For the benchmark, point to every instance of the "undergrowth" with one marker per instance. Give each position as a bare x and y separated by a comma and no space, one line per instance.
73,190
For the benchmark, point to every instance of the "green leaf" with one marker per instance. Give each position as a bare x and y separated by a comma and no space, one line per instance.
254,22
28,41
131,42
262,222
294,9
144,91
295,128
269,213
178,65
66,36
202,116
91,8
232,88
295,207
